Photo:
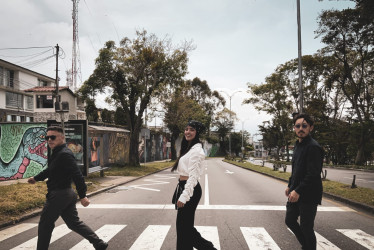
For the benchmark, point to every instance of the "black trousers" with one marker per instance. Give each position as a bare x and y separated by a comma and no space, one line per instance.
187,235
304,231
62,203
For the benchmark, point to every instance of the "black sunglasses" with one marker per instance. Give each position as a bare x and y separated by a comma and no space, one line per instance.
303,126
52,137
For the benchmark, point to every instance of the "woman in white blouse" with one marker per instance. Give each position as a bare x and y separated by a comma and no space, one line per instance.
188,192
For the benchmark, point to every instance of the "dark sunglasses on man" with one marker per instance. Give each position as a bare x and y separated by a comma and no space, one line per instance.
299,125
52,137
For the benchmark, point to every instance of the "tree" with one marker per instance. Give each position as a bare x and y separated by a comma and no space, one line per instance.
91,110
224,123
120,117
349,38
134,72
193,99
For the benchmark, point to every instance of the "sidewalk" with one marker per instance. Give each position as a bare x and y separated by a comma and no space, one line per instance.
106,183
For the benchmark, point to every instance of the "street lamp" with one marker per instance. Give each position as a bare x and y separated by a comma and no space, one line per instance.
230,96
243,138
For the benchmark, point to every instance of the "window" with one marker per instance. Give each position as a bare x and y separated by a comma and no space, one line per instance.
14,118
42,83
6,77
29,119
29,102
14,100
44,101
22,118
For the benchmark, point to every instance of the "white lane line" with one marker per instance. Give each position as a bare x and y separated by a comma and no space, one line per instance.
105,233
209,233
206,196
58,233
322,242
362,238
151,238
257,238
207,207
9,232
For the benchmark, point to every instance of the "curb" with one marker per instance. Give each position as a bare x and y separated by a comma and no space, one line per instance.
38,211
355,204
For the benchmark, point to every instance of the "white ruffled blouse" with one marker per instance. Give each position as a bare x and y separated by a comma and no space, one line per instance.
190,165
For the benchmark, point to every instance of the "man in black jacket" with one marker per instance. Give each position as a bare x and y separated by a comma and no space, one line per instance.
61,199
304,189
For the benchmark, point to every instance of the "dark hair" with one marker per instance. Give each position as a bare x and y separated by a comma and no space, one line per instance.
185,147
55,128
304,116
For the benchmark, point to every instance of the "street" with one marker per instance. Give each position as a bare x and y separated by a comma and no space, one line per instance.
239,209
363,178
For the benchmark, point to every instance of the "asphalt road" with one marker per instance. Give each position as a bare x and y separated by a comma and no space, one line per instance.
363,178
239,209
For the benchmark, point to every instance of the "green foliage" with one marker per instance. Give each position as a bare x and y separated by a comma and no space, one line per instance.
134,73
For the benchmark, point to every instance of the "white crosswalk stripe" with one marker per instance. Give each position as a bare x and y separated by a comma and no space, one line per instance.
9,232
322,242
105,233
211,234
362,238
153,237
58,233
257,238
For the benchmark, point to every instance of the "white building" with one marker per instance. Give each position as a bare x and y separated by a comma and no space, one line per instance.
27,96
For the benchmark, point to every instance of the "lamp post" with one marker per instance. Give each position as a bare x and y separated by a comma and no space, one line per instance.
230,96
299,57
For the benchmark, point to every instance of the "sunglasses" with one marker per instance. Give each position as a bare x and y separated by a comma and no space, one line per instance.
52,137
299,125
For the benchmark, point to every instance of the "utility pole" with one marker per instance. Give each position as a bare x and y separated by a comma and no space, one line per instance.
301,97
230,96
58,99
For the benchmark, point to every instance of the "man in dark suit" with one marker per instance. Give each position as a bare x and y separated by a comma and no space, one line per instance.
304,189
61,199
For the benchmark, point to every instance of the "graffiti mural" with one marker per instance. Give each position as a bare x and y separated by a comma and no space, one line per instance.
23,150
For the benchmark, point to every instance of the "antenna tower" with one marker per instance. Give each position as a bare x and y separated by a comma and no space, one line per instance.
76,69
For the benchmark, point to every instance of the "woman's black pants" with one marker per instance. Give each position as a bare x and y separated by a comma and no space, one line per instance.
187,235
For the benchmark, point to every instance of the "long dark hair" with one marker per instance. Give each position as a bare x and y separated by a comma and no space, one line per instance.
185,147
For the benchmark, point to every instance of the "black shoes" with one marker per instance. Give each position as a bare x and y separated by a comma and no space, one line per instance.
102,246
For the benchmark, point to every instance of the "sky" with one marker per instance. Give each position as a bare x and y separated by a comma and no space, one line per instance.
237,41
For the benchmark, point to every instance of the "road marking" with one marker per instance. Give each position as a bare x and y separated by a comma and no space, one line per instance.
105,233
11,231
211,234
258,238
154,182
206,196
228,172
207,207
151,238
57,233
362,238
322,242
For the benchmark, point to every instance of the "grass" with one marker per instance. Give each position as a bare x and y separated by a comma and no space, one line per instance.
22,198
359,194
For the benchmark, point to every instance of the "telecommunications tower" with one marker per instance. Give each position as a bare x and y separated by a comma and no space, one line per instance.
75,69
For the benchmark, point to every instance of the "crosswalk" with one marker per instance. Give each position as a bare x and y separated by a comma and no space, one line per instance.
153,237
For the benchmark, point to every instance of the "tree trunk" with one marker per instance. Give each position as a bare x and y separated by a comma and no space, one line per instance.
360,156
134,149
173,149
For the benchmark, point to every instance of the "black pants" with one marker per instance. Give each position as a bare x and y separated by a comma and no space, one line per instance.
304,231
62,203
187,235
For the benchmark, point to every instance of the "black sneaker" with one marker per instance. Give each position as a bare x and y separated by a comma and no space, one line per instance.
102,246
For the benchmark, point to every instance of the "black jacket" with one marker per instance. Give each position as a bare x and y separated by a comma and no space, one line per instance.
62,170
307,162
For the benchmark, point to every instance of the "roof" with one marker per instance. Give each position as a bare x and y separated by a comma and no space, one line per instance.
24,69
48,89
111,129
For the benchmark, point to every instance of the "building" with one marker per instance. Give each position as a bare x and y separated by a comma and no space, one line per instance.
27,96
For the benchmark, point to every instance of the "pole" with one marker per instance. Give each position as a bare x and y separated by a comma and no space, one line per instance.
58,99
299,56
